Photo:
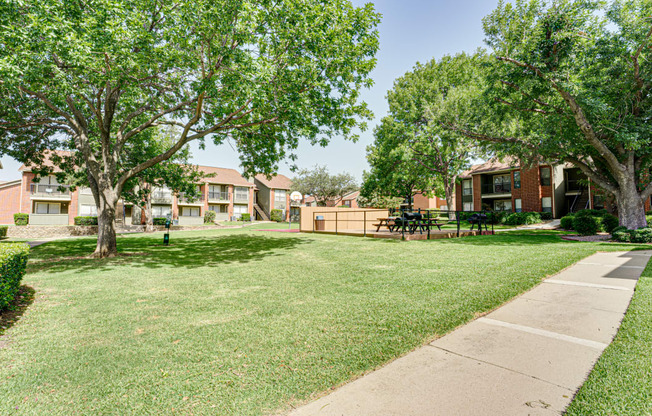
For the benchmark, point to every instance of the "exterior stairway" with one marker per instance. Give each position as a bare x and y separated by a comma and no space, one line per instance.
581,201
260,212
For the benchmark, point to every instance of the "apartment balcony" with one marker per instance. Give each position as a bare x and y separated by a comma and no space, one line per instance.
492,190
162,198
198,201
241,199
218,197
50,192
48,219
191,220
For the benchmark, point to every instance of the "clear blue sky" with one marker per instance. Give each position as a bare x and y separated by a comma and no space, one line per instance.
411,31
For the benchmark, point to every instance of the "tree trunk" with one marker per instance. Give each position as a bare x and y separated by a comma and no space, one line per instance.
107,245
449,191
631,208
149,218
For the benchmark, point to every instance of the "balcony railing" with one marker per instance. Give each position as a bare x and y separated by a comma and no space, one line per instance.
196,200
218,196
241,198
496,188
161,197
50,191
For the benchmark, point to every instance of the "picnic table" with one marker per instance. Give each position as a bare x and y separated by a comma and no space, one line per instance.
412,224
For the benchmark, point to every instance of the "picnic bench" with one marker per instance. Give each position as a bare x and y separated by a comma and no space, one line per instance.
411,221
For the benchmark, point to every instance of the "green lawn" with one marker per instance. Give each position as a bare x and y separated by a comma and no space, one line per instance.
244,322
621,382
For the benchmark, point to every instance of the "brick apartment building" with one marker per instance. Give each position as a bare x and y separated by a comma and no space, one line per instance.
47,202
506,186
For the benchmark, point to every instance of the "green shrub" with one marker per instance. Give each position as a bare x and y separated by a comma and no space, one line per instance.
546,216
13,262
523,218
159,220
85,220
497,217
649,220
21,219
587,224
623,236
619,228
609,223
591,212
245,217
567,222
3,230
277,215
642,235
209,217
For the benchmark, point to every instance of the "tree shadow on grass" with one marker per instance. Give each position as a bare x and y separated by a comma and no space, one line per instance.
149,252
8,318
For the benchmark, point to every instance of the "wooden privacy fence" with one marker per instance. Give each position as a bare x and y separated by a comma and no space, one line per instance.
336,219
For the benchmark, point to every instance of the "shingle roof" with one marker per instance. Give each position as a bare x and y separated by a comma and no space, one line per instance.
224,176
47,162
351,196
492,165
277,182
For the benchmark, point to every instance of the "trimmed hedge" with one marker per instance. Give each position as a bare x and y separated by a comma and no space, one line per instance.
642,235
86,220
609,223
21,219
159,220
649,220
209,217
13,262
3,230
587,224
567,222
277,215
245,217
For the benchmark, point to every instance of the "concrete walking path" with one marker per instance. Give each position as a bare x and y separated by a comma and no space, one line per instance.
528,357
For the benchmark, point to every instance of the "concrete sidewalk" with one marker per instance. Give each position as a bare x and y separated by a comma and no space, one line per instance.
528,357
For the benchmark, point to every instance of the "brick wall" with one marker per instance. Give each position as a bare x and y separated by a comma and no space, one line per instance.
9,203
477,193
530,189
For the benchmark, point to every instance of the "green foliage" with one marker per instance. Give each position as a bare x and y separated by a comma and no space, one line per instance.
85,220
568,83
642,235
245,217
523,218
209,217
567,222
276,215
21,219
586,224
320,184
497,217
649,220
3,230
378,201
13,262
159,220
609,223
546,216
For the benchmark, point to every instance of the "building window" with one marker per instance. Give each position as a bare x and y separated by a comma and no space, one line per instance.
222,209
190,212
598,202
545,177
279,199
517,206
546,204
47,208
161,211
241,193
502,184
88,211
467,188
238,210
468,206
347,203
517,180
503,205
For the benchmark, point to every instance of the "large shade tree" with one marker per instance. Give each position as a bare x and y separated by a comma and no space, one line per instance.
443,154
393,172
570,83
324,186
93,76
